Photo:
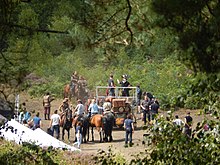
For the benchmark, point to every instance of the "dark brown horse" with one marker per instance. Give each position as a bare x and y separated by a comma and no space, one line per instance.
85,125
96,121
66,122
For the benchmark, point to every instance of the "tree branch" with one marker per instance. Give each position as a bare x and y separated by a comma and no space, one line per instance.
35,30
127,19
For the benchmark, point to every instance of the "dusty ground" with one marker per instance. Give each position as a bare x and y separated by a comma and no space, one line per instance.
35,104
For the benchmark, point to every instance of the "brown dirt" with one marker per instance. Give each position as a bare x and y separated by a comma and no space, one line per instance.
35,104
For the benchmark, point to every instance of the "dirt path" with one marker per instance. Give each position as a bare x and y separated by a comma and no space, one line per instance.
35,104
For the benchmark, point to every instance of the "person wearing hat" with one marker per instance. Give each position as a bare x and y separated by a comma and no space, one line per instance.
64,105
126,84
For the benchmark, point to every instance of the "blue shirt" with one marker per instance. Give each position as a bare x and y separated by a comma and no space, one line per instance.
27,116
93,108
128,125
36,121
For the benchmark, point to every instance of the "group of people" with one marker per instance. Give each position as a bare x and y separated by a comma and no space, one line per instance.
124,84
149,108
186,125
25,118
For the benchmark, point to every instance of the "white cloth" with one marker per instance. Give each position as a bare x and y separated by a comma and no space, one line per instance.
55,119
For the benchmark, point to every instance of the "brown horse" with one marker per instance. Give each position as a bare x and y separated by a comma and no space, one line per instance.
68,92
96,121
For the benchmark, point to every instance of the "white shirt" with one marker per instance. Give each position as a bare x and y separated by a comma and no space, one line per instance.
80,109
55,119
178,122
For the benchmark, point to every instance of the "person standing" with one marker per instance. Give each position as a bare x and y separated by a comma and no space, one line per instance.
111,86
47,99
129,129
188,125
78,134
139,94
154,108
55,124
145,109
178,122
125,84
36,121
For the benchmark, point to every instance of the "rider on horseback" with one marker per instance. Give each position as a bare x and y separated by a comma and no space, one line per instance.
79,111
73,82
64,106
93,108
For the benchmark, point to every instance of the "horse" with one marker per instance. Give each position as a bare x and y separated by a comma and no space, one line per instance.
66,122
96,121
85,126
108,123
68,92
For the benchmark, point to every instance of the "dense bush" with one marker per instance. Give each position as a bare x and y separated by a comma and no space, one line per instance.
171,146
31,154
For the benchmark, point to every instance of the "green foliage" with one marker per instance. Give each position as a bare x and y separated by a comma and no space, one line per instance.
109,157
27,154
170,146
196,23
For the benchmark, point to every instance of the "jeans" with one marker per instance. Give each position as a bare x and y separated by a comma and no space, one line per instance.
127,133
146,115
79,140
56,128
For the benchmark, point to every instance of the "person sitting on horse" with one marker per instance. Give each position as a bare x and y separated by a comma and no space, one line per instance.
107,106
80,108
93,108
73,81
64,106
79,111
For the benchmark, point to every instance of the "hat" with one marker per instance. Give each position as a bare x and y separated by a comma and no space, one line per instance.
124,76
65,100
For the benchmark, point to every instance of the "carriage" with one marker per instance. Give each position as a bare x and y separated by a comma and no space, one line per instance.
121,105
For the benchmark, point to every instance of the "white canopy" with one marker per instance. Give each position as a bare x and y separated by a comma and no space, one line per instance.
14,131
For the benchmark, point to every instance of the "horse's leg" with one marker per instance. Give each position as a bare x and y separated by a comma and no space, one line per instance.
92,135
63,133
100,134
87,133
68,132
75,134
110,134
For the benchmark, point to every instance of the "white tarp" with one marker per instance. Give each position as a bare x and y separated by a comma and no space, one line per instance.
14,131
